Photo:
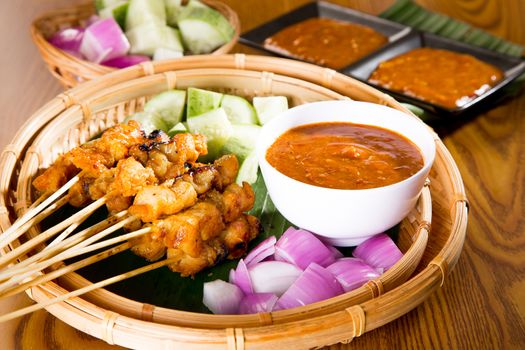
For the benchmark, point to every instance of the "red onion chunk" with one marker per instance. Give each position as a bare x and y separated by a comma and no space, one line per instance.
315,284
378,251
335,252
104,40
258,302
126,61
273,276
222,297
69,40
301,248
352,273
261,251
242,278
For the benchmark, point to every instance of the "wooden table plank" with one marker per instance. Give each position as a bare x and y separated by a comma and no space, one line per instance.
482,304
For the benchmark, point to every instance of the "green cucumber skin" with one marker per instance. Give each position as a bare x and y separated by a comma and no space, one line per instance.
248,170
239,110
215,126
268,107
204,29
147,38
201,101
169,105
242,141
174,9
142,12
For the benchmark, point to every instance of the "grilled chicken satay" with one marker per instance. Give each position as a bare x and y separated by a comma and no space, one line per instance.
233,201
169,160
231,243
154,202
120,184
191,231
93,157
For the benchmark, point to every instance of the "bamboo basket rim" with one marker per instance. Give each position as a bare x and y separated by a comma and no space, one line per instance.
391,278
347,323
55,57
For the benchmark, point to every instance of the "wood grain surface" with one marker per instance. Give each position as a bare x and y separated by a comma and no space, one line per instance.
481,305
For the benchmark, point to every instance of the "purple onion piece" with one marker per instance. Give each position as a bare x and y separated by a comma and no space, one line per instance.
273,276
301,248
222,297
69,40
258,302
315,284
263,250
104,40
242,278
125,61
352,273
378,251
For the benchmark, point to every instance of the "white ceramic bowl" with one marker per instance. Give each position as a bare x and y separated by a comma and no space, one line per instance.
345,217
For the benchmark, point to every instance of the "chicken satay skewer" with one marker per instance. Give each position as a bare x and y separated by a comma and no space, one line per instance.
42,278
85,246
59,247
35,214
87,289
81,215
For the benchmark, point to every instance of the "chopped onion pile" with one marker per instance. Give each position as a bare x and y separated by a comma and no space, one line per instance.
378,251
69,40
102,41
298,269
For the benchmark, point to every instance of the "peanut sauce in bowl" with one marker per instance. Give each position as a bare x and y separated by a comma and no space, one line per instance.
344,155
345,170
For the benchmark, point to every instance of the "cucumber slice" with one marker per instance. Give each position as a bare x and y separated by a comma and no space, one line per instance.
201,101
204,29
177,129
215,126
239,110
174,9
102,4
248,170
141,12
169,105
148,121
268,107
162,53
119,12
242,140
146,38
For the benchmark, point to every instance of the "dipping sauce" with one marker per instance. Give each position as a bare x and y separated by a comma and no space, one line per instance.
327,42
344,155
438,76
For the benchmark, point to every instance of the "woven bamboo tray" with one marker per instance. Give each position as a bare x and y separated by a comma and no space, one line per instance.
71,70
323,323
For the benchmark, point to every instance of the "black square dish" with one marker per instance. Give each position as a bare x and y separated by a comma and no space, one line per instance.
256,37
511,67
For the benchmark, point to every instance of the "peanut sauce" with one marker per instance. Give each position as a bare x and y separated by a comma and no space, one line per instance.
441,77
327,42
344,155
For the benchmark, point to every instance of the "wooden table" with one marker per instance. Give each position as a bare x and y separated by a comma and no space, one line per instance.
481,305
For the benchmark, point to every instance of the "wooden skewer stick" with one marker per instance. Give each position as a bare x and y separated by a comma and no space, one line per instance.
65,270
13,233
22,274
87,289
18,251
50,251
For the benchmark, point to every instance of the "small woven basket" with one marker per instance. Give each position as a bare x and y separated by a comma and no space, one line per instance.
73,117
71,70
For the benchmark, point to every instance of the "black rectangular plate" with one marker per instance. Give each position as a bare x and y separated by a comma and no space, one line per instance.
512,68
255,38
